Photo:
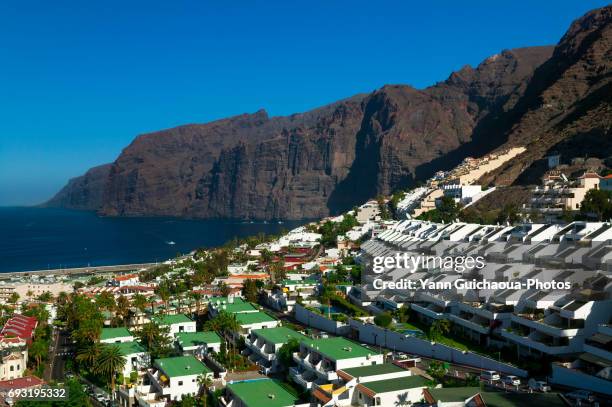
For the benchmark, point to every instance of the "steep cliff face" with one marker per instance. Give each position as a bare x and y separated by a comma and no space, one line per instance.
84,192
322,161
566,106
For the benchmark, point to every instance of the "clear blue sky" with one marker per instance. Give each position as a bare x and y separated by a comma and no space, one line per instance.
80,79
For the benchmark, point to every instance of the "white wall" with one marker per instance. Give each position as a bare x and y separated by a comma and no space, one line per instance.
372,334
320,322
574,378
187,327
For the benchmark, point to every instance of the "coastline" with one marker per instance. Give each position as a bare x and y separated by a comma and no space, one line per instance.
79,270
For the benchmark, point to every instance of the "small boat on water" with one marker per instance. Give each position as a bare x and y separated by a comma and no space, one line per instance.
171,242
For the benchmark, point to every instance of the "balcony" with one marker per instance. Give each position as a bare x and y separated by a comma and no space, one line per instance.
545,327
260,351
427,311
298,377
469,324
597,351
537,345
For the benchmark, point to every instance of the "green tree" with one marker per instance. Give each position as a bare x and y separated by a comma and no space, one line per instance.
139,301
205,382
106,301
249,290
88,354
13,298
123,308
436,370
45,297
197,299
285,353
509,214
38,350
597,203
109,363
156,339
439,328
383,320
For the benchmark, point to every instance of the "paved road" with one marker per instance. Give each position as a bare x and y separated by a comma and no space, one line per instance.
61,352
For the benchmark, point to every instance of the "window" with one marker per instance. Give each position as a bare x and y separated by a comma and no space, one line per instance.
180,383
12,368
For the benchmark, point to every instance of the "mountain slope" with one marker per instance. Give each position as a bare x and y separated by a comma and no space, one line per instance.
84,192
319,162
567,104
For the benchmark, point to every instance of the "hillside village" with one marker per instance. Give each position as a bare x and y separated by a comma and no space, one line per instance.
291,320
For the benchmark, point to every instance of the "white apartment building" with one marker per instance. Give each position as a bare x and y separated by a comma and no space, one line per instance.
172,378
116,335
177,323
553,322
264,344
318,360
375,385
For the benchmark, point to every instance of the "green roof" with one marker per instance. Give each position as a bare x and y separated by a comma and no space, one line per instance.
340,348
182,366
190,339
263,393
217,300
111,333
248,318
398,384
308,281
128,348
373,370
237,308
172,319
279,335
497,399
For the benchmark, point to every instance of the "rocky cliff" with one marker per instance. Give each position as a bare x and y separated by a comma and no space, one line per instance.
320,162
567,104
84,192
315,163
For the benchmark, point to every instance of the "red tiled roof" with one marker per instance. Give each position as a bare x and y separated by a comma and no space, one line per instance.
21,383
19,326
590,175
126,277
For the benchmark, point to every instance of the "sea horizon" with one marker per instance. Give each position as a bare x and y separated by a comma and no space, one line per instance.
39,239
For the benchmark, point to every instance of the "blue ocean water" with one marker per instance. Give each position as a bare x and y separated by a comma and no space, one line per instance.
47,238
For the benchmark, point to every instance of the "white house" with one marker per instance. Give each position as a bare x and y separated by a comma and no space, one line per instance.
115,335
255,320
198,343
136,357
375,385
318,360
175,377
177,323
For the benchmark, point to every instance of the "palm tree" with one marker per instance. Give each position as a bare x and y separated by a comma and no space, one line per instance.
37,350
205,382
164,294
123,308
148,334
439,328
139,301
109,363
197,298
89,354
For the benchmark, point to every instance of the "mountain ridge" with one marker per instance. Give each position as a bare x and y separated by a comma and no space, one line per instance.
326,160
